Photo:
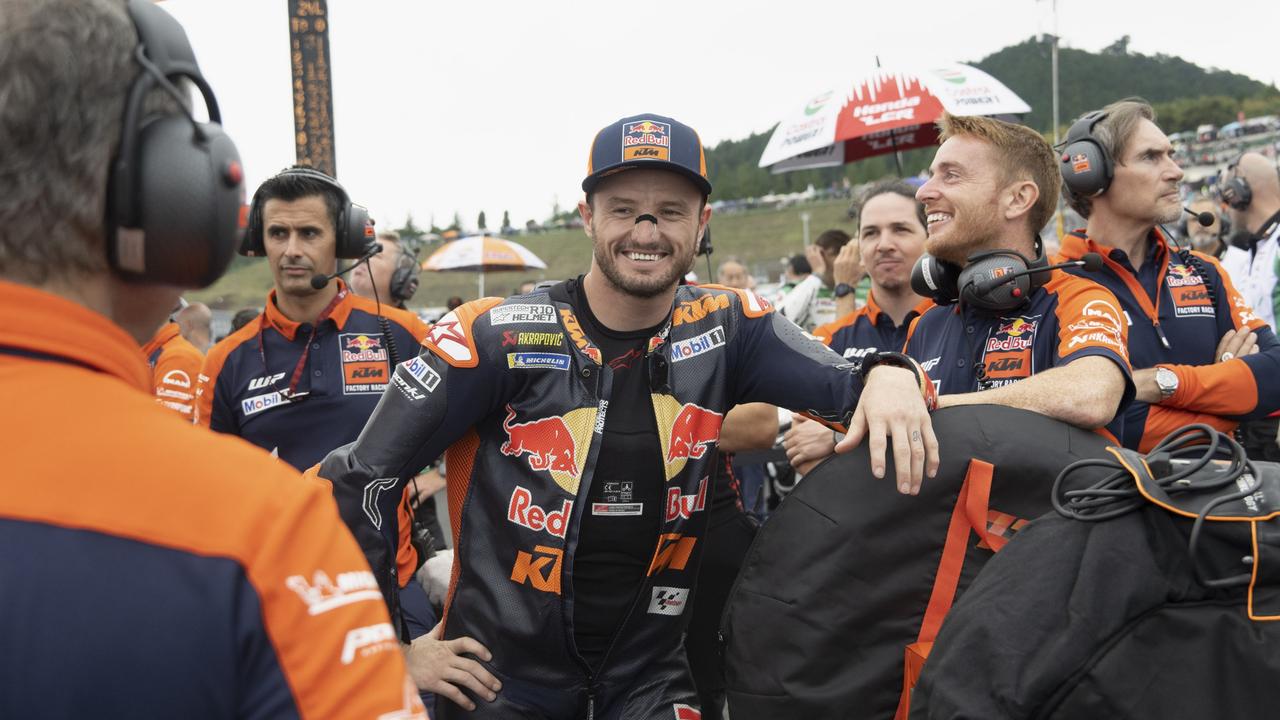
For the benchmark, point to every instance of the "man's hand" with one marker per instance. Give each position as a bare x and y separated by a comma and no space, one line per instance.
807,443
848,265
817,263
1236,343
438,666
891,406
426,484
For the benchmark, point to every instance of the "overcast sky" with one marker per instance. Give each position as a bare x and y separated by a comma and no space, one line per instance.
472,105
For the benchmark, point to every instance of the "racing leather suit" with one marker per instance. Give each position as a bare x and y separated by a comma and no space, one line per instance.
523,436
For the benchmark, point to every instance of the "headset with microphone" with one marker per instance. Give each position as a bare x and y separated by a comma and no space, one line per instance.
175,186
353,232
404,280
993,281
320,280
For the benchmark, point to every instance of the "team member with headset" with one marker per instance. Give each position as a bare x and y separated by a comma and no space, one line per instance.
1007,325
1250,189
212,566
175,364
304,376
1199,351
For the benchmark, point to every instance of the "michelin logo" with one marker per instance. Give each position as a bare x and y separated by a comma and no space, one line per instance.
556,361
695,346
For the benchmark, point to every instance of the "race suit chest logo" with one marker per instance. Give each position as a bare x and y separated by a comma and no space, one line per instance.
537,360
539,569
673,553
689,311
556,444
522,511
579,337
364,363
668,601
521,313
512,338
684,506
1182,276
695,346
685,431
646,140
258,403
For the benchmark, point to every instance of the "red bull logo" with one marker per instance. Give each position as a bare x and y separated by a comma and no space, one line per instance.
684,506
359,348
524,512
547,440
1182,276
646,140
695,430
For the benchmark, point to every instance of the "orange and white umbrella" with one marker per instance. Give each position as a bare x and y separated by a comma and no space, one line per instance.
482,254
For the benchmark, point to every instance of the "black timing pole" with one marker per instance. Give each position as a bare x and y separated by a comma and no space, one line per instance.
312,84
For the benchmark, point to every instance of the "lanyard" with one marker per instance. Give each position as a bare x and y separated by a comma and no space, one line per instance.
292,392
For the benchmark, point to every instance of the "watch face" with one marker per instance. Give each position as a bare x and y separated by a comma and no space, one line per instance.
843,289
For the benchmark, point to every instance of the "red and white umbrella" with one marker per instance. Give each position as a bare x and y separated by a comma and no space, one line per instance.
482,254
884,112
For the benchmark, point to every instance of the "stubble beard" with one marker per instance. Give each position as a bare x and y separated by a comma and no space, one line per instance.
646,286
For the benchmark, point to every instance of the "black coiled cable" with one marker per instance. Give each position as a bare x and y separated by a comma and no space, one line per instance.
1117,493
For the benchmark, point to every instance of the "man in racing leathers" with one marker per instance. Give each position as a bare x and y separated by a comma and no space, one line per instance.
581,424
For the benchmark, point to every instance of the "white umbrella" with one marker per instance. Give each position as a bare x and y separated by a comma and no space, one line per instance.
482,254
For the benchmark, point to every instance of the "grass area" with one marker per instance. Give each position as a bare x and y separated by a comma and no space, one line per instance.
757,237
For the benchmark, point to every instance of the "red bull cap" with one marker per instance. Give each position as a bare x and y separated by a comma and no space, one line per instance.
647,141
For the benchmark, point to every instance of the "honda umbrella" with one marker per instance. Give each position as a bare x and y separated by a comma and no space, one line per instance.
482,254
886,111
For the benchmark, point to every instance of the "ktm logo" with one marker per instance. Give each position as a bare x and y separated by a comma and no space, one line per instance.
367,372
694,310
1001,525
1005,365
579,337
645,152
673,552
541,571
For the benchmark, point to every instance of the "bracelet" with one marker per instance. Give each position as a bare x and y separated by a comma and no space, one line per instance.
897,359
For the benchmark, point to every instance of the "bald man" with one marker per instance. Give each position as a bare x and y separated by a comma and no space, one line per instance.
194,322
1250,187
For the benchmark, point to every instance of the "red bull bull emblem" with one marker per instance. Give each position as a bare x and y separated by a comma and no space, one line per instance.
695,431
646,140
1182,276
547,440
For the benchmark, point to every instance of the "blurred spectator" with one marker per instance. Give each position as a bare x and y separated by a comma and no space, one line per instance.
175,364
453,303
243,317
812,301
195,321
525,287
732,273
1209,240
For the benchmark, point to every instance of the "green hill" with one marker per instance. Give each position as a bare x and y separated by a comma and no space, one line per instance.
758,237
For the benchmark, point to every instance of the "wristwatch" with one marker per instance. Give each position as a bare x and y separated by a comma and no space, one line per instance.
843,289
1167,381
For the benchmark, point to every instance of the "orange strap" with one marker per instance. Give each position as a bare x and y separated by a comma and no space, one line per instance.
970,513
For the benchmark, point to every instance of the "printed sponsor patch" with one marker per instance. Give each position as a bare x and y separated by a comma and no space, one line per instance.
322,594
1191,301
617,509
538,360
364,363
419,370
176,377
684,506
668,600
673,552
512,338
539,569
258,403
646,140
368,640
694,310
259,382
706,342
522,313
580,338
408,389
1001,365
523,511
449,338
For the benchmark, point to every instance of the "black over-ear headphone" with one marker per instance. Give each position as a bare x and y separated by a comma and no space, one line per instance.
1087,168
175,188
404,281
1234,189
353,231
947,283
